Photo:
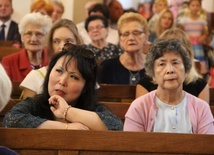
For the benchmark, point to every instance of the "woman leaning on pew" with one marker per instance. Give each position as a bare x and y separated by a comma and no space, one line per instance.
169,108
68,100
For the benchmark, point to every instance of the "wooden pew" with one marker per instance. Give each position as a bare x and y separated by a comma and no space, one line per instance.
6,43
116,93
117,108
16,92
76,142
7,50
212,96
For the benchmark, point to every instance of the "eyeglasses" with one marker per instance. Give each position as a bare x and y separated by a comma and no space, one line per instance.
135,33
98,27
82,50
37,34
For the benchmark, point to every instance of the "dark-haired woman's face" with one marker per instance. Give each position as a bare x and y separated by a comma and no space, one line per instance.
66,83
97,30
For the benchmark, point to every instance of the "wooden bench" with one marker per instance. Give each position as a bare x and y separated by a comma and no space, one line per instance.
76,142
6,43
116,93
117,108
16,91
7,50
211,96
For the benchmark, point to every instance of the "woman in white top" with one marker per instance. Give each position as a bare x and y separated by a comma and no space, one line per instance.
61,32
5,88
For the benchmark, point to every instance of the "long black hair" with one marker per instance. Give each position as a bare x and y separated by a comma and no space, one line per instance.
87,66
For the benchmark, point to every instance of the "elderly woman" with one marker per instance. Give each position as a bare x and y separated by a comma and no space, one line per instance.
128,68
169,108
33,29
97,28
61,32
193,79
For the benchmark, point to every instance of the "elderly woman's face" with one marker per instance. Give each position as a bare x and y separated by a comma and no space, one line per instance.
66,83
169,71
97,30
132,38
33,38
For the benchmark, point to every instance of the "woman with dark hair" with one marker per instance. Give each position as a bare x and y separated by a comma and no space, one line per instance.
98,28
68,100
169,108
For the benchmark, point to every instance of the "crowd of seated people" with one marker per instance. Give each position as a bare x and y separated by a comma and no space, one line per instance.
61,64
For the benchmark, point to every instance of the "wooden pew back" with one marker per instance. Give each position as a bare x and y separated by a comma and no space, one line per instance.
17,91
117,108
116,93
6,43
7,50
212,96
76,142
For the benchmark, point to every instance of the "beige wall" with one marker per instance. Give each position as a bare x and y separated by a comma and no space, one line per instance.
22,7
74,9
79,10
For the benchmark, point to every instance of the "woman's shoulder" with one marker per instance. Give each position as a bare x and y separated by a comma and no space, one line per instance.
110,62
13,56
195,101
147,83
200,84
146,100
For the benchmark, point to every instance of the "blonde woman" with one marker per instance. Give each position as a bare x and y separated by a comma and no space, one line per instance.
164,23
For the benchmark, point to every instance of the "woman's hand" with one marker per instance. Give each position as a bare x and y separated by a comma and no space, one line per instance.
58,106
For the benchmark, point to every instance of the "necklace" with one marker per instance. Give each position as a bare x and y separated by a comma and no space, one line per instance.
35,66
133,77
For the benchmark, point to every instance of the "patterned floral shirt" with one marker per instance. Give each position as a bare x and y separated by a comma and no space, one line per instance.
111,51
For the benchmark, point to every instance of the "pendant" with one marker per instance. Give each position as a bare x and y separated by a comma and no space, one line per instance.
133,79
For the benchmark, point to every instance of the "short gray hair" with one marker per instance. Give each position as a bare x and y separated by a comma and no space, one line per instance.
161,46
5,88
35,18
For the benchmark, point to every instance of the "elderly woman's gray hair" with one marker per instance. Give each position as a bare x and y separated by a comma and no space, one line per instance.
5,88
162,46
35,18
